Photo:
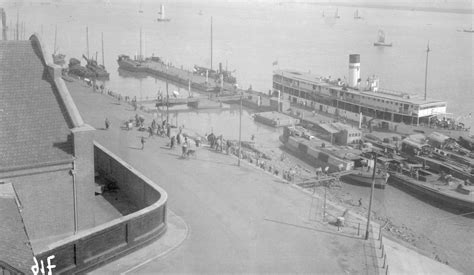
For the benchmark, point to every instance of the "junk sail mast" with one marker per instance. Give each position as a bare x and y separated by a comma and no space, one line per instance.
211,43
426,67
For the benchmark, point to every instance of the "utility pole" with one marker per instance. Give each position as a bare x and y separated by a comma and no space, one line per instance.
240,131
426,67
324,206
371,196
211,43
167,104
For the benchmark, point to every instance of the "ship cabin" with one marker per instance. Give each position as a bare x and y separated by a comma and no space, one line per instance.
357,101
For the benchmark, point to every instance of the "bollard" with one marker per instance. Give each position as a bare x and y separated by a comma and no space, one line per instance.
358,230
380,233
381,256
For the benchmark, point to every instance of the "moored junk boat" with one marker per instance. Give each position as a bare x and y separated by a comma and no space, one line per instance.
212,74
75,68
423,181
97,69
366,103
338,160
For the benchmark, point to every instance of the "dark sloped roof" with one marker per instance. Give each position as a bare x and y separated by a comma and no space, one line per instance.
15,248
34,124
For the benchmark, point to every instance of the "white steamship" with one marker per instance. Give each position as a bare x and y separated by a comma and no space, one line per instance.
365,102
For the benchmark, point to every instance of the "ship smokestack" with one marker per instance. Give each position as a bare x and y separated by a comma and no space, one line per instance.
354,70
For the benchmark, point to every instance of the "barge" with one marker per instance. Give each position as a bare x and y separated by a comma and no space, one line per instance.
441,189
156,67
331,159
275,119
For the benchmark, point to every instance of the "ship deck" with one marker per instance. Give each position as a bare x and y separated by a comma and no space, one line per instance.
433,183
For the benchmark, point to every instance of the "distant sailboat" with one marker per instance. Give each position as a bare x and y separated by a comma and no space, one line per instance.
162,15
356,15
337,14
469,30
381,40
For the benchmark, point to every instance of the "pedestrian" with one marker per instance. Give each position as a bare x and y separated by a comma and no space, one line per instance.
173,139
229,144
142,140
178,138
185,147
150,131
107,123
360,202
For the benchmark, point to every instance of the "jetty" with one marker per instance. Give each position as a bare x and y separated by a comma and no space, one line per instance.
275,119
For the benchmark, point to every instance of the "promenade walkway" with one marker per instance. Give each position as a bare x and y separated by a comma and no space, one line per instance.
225,218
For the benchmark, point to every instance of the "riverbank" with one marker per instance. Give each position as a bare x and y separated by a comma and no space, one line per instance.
302,172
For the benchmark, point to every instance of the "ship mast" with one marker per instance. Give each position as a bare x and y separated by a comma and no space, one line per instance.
55,37
140,56
87,41
4,24
211,43
103,63
426,67
17,26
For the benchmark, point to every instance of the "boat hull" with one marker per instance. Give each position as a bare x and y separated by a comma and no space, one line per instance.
429,193
364,180
379,44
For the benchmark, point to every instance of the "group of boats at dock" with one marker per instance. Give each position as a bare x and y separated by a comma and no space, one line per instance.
436,168
434,165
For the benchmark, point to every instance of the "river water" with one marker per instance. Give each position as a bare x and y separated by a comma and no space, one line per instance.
250,37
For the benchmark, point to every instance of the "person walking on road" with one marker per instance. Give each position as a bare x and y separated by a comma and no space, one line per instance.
172,142
142,140
107,124
185,147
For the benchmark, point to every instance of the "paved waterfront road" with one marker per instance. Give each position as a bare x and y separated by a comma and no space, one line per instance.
239,219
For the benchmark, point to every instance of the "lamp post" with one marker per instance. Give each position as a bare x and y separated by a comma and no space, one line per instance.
371,196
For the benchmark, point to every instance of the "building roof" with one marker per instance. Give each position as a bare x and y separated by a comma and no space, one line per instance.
15,248
328,127
34,120
383,94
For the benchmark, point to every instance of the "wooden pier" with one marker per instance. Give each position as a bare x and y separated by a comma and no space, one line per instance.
171,101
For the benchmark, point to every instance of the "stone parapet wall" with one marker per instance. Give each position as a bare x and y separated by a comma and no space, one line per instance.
91,248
